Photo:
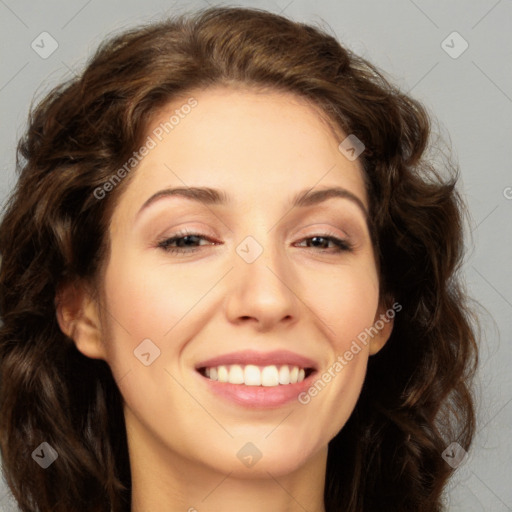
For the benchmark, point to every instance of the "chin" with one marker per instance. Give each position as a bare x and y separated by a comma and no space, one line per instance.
278,462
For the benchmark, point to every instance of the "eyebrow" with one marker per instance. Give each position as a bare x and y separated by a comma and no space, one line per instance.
212,196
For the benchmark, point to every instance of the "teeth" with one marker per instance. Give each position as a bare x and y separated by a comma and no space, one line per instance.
252,375
223,374
284,375
270,376
236,374
294,375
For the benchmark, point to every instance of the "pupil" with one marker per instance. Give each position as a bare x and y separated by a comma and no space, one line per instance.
186,240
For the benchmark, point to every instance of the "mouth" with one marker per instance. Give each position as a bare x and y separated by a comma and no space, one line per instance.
253,375
256,379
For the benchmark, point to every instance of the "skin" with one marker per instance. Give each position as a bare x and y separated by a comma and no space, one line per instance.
260,148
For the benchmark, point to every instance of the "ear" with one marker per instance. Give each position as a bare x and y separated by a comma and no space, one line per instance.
78,317
383,324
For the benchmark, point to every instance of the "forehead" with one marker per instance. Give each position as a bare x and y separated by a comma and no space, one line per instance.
253,144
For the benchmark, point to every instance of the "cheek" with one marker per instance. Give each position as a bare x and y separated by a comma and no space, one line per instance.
155,302
149,301
346,300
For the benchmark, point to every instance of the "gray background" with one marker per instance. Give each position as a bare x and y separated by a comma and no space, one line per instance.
470,95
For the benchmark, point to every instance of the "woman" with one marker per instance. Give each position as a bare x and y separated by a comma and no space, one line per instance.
229,280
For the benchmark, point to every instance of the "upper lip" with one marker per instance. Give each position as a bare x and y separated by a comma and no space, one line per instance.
245,357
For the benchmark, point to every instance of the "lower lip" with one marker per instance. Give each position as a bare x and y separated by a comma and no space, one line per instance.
258,396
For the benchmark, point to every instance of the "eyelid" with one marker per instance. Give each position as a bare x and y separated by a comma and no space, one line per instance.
181,233
184,229
322,228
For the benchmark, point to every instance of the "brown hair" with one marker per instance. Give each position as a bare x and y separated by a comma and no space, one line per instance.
416,398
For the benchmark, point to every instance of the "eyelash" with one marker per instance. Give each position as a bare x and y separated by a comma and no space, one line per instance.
165,244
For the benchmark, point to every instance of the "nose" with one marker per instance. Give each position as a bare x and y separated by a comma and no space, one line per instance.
262,293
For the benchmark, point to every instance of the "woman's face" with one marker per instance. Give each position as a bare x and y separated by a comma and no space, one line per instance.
264,280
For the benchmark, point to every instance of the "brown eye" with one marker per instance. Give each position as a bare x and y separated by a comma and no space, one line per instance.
322,242
183,243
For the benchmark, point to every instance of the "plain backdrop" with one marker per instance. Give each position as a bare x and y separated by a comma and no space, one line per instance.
454,56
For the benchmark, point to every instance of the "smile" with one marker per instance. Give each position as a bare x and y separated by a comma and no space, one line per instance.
253,375
255,379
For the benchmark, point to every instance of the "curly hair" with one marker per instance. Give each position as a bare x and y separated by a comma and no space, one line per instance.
417,396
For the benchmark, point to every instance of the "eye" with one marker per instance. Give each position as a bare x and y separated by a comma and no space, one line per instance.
322,242
188,242
184,242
